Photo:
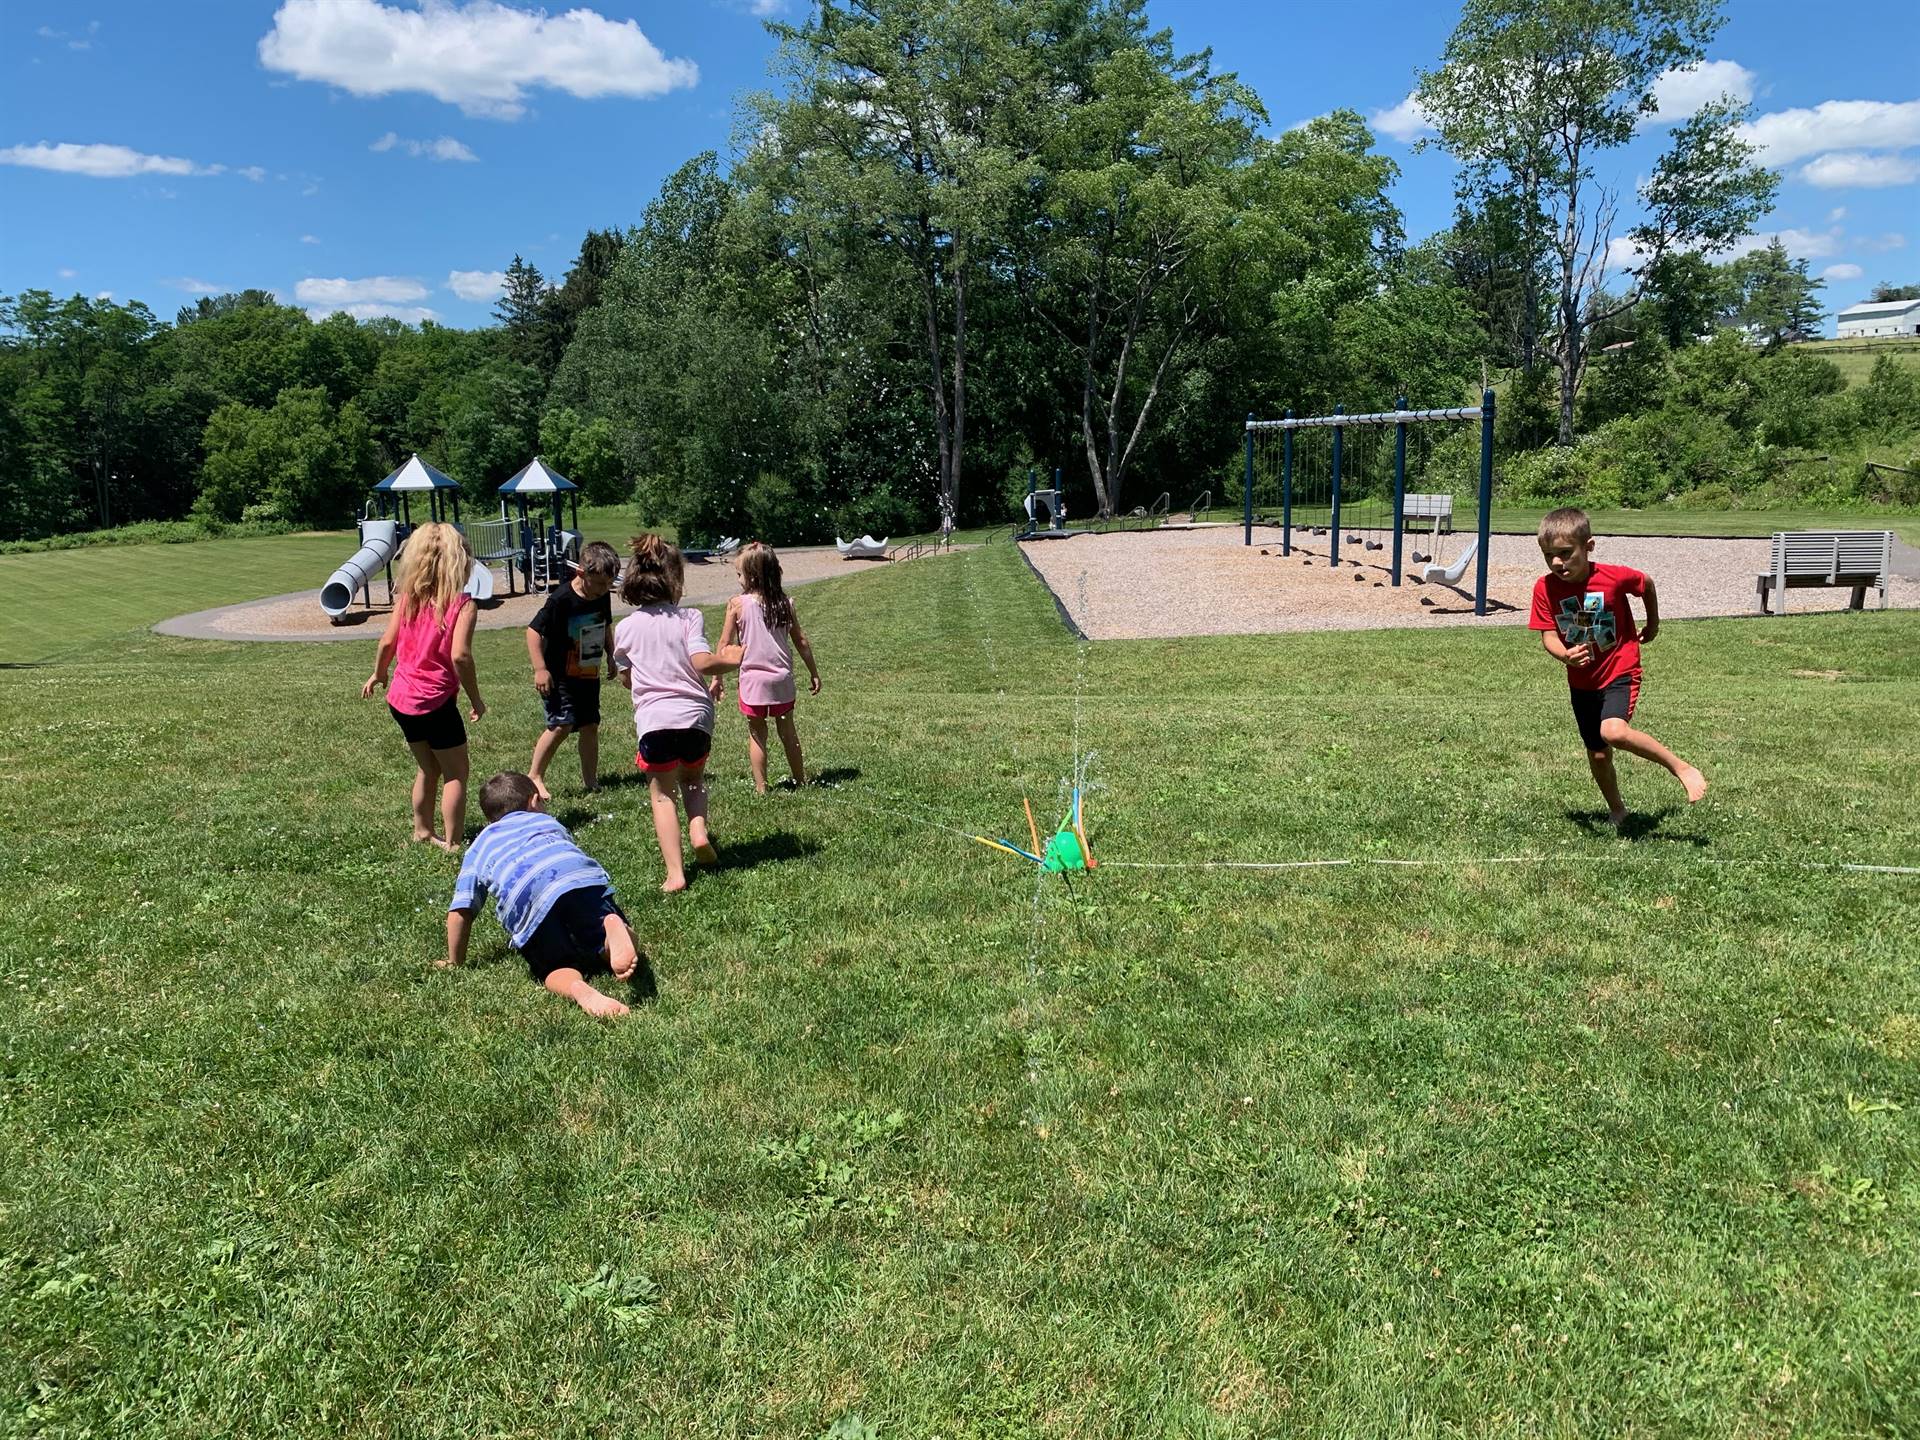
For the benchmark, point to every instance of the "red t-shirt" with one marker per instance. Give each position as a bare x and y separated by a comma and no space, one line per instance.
1596,614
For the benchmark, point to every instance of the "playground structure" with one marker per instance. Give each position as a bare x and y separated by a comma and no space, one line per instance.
524,540
1336,475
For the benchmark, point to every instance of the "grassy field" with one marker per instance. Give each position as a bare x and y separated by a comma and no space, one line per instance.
1621,1138
1855,357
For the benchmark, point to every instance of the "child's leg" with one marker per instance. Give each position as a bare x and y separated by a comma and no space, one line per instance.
1637,742
693,786
622,954
757,751
663,793
589,756
453,795
790,740
426,780
1601,763
544,749
573,985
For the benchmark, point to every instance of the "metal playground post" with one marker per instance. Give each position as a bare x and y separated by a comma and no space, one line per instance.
1286,491
1339,435
1399,485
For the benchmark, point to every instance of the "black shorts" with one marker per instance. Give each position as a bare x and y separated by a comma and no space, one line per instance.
572,704
665,750
1615,702
441,729
573,935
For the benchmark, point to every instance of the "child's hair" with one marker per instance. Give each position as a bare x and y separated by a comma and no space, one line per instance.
435,565
655,575
1568,523
601,561
760,576
505,793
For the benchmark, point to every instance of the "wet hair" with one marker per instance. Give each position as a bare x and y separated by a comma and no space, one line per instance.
505,793
435,565
655,575
601,561
1567,523
760,577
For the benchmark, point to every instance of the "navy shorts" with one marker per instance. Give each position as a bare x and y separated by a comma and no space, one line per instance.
573,935
440,729
662,751
572,704
1615,702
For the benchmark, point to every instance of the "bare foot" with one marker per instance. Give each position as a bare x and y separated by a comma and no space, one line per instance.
594,1003
443,963
674,885
1618,819
540,789
706,854
453,849
422,837
1694,781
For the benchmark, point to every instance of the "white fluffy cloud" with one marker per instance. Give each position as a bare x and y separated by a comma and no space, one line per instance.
341,294
193,286
1405,122
67,272
309,239
477,284
102,162
1847,271
255,173
372,310
1679,93
1789,135
482,56
445,148
1857,170
1624,254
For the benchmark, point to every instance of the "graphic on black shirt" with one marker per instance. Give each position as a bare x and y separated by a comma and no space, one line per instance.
573,633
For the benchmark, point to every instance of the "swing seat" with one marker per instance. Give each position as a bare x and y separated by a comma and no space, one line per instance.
1450,574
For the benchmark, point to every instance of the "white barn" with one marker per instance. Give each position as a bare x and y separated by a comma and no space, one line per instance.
1882,317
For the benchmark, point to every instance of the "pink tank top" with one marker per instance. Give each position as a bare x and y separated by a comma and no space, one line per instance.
423,675
766,671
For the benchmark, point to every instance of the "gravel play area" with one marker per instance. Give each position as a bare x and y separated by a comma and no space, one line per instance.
1205,581
299,617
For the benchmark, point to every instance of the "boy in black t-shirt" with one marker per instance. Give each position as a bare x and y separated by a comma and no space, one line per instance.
567,643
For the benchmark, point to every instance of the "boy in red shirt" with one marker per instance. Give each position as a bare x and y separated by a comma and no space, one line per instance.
1586,624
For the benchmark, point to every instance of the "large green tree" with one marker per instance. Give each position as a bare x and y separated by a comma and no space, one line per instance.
1531,95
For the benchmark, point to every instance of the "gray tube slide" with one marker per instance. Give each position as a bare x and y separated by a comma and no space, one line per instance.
376,548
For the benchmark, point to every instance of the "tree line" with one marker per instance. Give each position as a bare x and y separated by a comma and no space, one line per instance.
963,239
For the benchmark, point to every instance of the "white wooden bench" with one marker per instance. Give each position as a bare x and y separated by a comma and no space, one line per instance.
1827,558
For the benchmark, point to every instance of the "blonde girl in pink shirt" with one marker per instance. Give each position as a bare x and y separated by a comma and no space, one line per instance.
660,653
761,619
430,635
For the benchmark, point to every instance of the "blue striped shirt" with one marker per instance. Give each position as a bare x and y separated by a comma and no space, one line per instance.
526,861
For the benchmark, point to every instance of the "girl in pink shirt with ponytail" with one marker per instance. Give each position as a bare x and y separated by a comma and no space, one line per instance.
761,619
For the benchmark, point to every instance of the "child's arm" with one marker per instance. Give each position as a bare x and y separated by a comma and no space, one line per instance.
459,927
383,657
729,633
1573,657
463,660
537,653
718,662
806,654
1650,602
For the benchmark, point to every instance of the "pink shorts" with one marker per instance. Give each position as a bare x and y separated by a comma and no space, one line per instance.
766,712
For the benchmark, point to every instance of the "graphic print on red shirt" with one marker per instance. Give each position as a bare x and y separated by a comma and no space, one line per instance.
1595,614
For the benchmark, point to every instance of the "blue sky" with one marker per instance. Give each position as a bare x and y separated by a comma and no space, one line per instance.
392,157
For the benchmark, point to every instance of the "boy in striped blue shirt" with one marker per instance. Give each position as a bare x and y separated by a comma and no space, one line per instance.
554,900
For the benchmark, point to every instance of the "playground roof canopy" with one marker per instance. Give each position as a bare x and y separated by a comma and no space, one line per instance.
416,474
535,478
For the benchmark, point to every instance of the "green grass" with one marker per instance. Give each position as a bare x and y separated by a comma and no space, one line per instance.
1855,358
1623,1141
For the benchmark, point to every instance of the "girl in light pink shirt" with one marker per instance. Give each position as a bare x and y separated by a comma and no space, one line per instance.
761,618
430,633
660,653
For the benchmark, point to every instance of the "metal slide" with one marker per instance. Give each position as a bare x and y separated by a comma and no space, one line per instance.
376,548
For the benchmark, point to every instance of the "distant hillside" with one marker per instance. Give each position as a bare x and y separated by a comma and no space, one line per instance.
1855,357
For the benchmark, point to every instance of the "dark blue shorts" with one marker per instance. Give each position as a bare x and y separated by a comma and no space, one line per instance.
573,935
572,704
1615,702
666,750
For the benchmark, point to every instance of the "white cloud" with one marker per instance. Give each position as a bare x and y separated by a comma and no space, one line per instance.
372,310
340,294
66,273
1857,170
445,148
1892,240
1800,244
309,239
477,284
1836,214
75,40
1405,122
766,7
103,295
255,173
1789,135
103,162
1679,93
1842,272
482,56
193,286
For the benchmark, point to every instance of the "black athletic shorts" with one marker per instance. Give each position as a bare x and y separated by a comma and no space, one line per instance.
1616,702
572,704
664,750
441,729
573,935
